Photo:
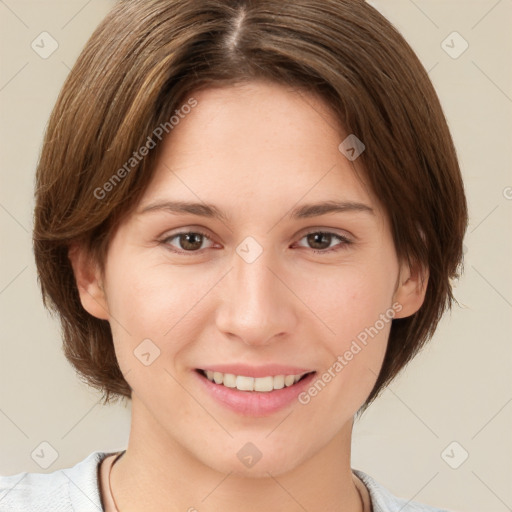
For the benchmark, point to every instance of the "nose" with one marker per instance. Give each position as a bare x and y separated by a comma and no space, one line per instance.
256,306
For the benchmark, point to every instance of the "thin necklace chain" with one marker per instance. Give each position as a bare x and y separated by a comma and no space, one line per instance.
110,485
363,505
117,510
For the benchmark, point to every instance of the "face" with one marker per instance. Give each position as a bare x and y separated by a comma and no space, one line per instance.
252,281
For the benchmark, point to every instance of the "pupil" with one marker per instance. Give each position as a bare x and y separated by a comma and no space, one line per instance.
315,238
191,241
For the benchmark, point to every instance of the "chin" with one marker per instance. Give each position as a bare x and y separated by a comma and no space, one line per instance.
260,469
276,463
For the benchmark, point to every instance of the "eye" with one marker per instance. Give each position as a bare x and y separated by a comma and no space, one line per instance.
188,241
192,241
320,241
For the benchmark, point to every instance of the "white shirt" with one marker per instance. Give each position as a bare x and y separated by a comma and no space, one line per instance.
77,489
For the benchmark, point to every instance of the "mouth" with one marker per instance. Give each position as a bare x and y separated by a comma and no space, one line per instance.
254,396
253,384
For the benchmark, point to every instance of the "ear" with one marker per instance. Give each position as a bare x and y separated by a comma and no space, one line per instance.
410,289
89,282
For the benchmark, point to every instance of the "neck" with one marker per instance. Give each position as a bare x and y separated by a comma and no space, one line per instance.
159,473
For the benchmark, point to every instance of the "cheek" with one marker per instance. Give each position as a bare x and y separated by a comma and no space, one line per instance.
151,297
356,313
156,302
152,321
354,303
351,298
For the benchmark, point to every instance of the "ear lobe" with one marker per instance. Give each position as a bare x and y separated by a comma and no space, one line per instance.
89,282
411,289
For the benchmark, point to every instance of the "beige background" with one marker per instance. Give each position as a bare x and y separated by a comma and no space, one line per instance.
459,389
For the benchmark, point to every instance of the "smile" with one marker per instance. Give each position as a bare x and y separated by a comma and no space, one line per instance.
270,389
258,384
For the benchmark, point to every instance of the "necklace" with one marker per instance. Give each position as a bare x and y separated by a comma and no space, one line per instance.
110,485
117,510
363,502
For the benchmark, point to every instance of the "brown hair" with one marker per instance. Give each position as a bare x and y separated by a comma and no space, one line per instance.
138,68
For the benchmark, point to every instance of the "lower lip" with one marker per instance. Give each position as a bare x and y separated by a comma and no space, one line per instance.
254,403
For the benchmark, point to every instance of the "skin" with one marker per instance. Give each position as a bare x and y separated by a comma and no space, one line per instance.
255,151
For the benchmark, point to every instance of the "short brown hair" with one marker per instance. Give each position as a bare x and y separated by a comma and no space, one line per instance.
139,66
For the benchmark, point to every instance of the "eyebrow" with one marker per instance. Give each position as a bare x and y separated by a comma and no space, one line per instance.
180,207
314,210
305,211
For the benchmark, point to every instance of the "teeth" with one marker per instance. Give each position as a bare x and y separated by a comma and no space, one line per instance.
289,380
262,384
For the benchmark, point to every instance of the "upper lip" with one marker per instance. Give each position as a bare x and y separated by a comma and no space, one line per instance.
256,371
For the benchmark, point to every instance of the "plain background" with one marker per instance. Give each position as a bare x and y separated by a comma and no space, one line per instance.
457,390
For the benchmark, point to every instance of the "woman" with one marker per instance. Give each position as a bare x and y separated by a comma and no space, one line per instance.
248,214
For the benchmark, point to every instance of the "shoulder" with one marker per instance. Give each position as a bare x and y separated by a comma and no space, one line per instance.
384,501
70,489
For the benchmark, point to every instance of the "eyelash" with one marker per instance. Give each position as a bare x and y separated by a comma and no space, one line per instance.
345,241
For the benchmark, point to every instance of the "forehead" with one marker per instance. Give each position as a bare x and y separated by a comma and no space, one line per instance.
259,143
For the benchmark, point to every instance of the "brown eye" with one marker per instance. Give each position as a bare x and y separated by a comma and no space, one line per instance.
188,241
321,242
